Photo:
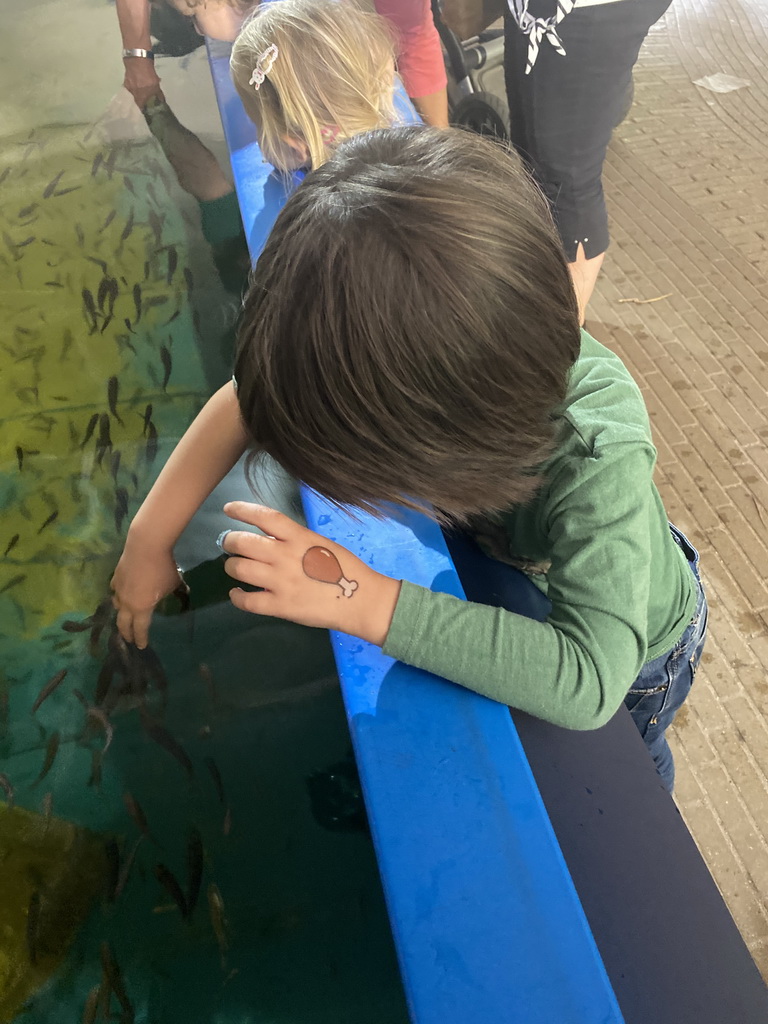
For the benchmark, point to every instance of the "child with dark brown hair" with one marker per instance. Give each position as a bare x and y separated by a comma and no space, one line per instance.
411,335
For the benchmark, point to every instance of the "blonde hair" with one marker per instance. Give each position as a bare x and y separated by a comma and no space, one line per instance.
333,76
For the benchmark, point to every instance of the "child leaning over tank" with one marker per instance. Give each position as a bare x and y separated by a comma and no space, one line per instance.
411,335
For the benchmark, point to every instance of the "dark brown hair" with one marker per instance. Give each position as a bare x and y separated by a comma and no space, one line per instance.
410,326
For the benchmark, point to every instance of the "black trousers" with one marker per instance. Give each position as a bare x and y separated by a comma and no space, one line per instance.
562,114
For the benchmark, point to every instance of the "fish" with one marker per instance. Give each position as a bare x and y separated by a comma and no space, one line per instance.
114,464
80,235
147,418
151,444
165,358
14,581
172,317
137,301
128,227
189,278
112,852
90,429
129,184
166,878
101,264
160,735
90,309
109,164
154,670
104,440
122,880
47,806
156,223
64,191
94,779
27,211
53,284
97,715
27,241
20,457
121,507
218,921
5,711
115,981
101,295
110,217
51,519
133,807
7,787
173,262
149,189
127,323
33,926
51,186
51,750
91,1008
53,683
97,162
107,322
156,300
66,344
213,768
73,626
194,869
113,386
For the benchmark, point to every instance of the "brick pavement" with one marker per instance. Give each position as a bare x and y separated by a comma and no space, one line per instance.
687,186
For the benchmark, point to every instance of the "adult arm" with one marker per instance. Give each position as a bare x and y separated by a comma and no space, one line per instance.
141,79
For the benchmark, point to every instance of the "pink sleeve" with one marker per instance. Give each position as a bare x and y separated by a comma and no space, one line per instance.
420,59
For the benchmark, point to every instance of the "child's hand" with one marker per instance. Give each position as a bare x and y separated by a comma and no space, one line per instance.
141,580
306,578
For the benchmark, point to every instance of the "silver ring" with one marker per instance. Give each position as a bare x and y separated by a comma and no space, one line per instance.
220,541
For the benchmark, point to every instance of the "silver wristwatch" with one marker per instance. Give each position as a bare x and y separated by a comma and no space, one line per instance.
139,53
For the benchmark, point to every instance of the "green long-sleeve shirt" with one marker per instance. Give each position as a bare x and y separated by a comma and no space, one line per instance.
621,589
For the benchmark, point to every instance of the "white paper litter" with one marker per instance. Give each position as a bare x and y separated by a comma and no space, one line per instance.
722,83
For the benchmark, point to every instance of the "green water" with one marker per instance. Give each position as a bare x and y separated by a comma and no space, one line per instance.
105,276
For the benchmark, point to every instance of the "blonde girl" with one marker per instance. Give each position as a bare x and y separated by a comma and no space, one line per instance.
311,73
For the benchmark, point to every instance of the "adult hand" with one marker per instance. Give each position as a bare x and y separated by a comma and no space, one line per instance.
141,580
305,577
141,79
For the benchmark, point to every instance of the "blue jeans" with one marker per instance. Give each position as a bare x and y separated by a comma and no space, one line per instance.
664,683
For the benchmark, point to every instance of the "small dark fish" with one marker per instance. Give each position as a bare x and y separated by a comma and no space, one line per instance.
147,418
213,768
227,827
91,1007
114,464
5,174
112,851
80,235
137,301
134,809
110,217
189,278
165,357
90,309
64,191
104,440
33,926
94,779
27,241
107,322
156,223
160,735
148,188
97,162
71,626
50,188
166,878
90,429
5,712
51,750
129,184
156,300
98,716
153,669
109,165
121,507
151,443
27,211
127,865
47,690
101,295
218,921
113,387
194,869
14,581
115,981
173,262
7,787
127,323
128,227
172,317
20,456
51,519
66,344
53,284
104,680
100,264
11,544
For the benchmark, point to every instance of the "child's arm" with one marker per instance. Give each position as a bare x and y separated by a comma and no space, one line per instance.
146,572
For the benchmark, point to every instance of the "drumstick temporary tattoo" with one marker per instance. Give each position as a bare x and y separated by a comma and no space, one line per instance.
322,565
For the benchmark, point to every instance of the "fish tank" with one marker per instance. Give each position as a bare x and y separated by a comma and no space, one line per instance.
182,835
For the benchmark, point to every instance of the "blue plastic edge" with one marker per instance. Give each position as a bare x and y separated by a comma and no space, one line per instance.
486,920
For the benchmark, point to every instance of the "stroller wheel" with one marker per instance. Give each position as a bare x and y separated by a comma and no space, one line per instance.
484,113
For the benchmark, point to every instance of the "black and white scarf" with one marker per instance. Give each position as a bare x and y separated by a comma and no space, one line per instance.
538,29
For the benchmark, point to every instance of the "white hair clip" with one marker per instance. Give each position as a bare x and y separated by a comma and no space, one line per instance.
264,65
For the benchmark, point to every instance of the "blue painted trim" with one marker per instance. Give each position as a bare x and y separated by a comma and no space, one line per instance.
487,923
